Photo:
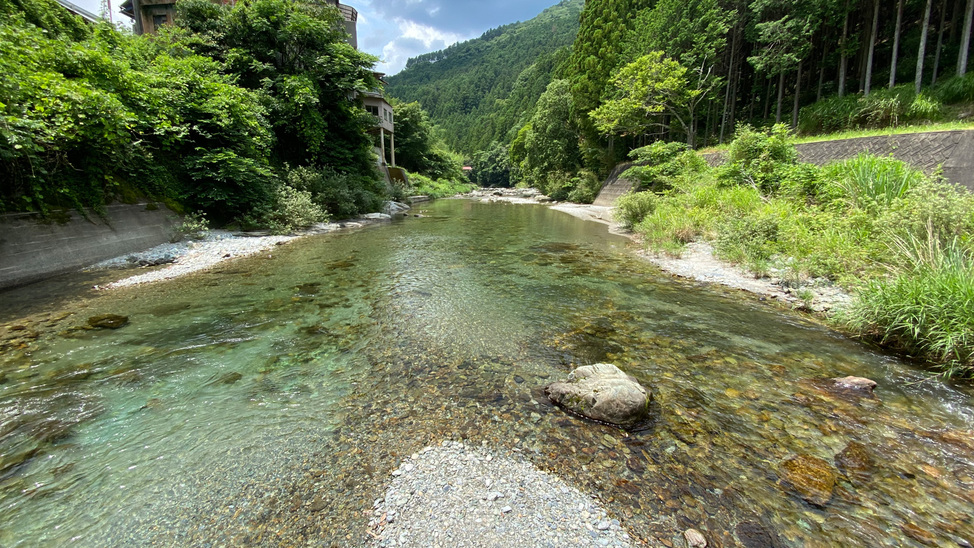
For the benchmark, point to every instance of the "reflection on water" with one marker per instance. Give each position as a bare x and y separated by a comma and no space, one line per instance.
265,402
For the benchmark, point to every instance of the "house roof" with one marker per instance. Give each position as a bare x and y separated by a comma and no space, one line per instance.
79,11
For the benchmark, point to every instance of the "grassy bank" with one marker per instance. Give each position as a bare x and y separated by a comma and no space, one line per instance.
899,240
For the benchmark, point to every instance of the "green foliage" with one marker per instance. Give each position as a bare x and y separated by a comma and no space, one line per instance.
881,108
756,158
660,163
193,226
695,31
956,89
422,185
340,194
632,207
198,115
550,144
295,209
482,90
926,309
871,182
418,148
492,167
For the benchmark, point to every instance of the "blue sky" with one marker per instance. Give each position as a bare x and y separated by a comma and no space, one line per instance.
395,30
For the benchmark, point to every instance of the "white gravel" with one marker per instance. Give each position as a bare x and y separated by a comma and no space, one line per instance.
453,495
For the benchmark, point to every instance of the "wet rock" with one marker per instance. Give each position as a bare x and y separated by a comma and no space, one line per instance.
602,392
855,383
755,535
695,539
108,321
920,535
811,477
228,378
855,461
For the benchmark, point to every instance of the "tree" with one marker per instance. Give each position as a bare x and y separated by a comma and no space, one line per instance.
418,148
922,50
651,90
550,144
492,167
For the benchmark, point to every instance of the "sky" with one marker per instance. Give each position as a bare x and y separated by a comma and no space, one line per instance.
395,30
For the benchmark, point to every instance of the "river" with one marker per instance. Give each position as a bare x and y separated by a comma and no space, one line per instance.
265,402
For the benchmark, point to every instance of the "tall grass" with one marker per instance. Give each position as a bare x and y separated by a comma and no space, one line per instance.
927,309
873,182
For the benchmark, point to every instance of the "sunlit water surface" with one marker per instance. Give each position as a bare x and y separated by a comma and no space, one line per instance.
266,402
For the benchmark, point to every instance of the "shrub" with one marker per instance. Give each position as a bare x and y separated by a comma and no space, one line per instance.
957,89
882,108
585,187
633,207
873,182
662,163
295,209
342,195
755,158
437,188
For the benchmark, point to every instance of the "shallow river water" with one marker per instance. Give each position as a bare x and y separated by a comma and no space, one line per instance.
266,402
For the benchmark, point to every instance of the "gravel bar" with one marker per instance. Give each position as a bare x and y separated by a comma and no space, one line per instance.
453,495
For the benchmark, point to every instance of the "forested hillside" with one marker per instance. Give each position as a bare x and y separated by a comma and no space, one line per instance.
478,90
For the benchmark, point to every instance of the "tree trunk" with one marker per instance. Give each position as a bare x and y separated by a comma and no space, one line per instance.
843,56
965,39
781,97
730,84
896,42
798,93
872,48
921,54
821,70
767,98
940,42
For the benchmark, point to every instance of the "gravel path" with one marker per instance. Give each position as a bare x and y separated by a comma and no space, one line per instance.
455,496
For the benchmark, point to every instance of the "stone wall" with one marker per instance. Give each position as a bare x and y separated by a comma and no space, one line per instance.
953,150
31,250
614,186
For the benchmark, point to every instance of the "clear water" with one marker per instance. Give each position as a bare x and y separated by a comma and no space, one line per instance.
265,402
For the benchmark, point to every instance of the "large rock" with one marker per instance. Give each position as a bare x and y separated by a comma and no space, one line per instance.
108,321
811,477
602,392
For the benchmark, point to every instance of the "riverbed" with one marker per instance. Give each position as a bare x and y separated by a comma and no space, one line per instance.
267,401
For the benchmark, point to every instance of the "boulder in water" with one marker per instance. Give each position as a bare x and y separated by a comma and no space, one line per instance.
811,477
602,392
855,383
108,321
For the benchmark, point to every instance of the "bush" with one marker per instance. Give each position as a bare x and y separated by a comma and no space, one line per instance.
633,207
342,195
756,158
957,89
437,188
872,182
295,209
880,109
662,163
585,187
927,310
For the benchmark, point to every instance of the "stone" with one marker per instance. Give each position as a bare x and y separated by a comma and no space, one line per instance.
811,477
755,535
855,383
855,461
695,539
920,535
108,321
602,392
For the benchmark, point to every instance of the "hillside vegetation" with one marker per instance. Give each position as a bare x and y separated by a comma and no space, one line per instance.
477,91
246,113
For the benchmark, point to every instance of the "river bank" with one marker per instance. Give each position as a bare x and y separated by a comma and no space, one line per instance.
696,262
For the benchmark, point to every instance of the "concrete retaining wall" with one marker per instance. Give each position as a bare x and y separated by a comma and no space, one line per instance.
953,150
31,250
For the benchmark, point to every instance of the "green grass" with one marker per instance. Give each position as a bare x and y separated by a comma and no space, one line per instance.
872,225
854,133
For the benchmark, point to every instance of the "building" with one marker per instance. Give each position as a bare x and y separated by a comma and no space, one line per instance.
149,15
79,11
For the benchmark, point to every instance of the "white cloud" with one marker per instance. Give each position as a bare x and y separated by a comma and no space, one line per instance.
414,39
